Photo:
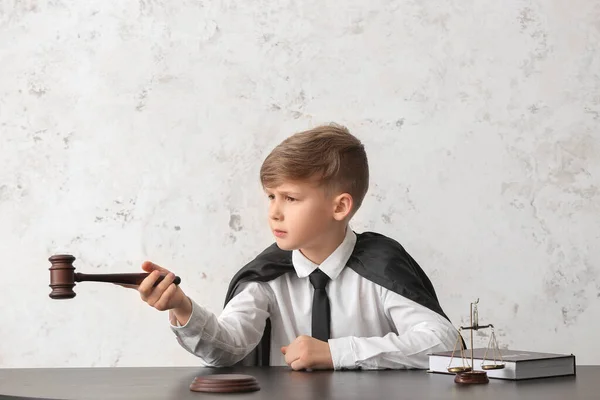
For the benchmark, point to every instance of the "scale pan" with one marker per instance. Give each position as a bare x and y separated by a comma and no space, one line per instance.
492,366
459,369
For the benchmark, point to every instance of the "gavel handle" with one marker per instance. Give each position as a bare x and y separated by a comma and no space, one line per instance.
125,279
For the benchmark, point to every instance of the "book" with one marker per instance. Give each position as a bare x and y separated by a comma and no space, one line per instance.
518,364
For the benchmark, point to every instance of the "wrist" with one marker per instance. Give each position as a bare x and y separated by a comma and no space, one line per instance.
183,311
322,357
327,359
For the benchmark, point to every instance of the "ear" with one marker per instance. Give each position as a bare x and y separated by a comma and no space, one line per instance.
342,206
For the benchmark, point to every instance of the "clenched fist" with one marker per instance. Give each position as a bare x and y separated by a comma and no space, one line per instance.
307,352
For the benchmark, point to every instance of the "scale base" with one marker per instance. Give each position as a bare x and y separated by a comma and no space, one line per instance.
472,377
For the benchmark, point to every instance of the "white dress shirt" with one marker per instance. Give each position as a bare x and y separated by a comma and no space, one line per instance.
371,327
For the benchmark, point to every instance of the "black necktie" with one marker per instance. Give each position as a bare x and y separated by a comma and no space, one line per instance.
320,308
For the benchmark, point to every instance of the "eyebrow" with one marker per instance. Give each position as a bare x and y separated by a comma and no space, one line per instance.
284,193
293,194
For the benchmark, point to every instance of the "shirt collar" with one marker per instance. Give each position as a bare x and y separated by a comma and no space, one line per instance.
333,265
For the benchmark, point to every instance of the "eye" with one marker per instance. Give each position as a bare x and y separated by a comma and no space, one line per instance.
290,199
271,197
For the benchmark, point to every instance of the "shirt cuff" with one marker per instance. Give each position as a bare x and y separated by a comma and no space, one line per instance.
195,323
342,353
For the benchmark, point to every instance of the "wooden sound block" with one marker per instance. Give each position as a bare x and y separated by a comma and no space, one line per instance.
224,383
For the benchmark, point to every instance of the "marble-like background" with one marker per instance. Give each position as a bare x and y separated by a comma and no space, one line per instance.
134,130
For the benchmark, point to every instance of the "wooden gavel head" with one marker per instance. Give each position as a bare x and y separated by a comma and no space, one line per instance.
63,277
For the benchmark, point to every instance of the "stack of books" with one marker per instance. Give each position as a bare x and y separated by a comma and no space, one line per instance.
518,364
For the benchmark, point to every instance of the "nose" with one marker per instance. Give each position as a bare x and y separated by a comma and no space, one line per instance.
275,211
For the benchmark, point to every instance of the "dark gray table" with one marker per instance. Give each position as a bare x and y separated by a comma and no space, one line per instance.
283,383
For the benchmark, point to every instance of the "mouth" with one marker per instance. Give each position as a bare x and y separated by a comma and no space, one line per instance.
279,233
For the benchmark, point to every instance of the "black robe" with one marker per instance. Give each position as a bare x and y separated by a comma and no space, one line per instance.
375,257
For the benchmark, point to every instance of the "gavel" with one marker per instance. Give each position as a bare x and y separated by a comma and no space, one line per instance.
63,277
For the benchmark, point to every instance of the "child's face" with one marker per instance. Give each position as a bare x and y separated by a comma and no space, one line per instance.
300,214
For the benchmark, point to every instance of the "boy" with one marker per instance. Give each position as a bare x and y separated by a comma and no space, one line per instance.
321,297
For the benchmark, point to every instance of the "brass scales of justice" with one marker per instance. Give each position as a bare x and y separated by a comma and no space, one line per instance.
467,373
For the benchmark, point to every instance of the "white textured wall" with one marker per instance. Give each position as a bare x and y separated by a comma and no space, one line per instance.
135,130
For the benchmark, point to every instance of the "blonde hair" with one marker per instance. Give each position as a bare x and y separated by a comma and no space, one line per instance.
328,153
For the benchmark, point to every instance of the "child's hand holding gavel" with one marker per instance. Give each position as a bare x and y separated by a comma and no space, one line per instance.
165,295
